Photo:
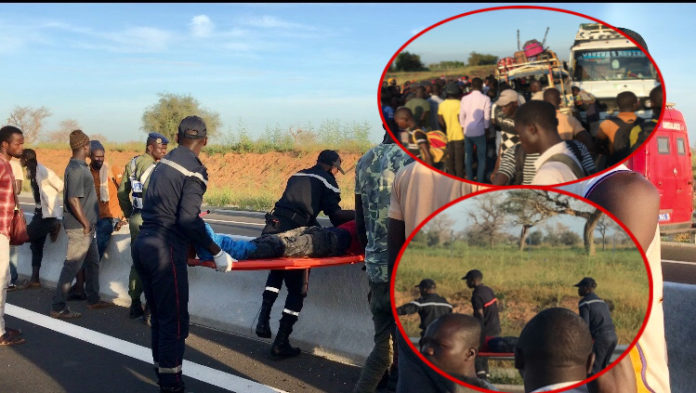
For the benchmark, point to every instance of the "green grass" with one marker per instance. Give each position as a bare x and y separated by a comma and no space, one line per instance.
351,137
229,197
530,281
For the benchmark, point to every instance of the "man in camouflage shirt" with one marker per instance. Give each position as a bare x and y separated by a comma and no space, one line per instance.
136,177
374,174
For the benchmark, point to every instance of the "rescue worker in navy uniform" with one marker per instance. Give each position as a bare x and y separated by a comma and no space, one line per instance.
308,192
171,224
485,305
597,315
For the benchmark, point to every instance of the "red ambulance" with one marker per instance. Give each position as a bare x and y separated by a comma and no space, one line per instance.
666,160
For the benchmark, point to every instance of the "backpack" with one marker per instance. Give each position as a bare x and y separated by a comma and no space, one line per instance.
645,132
623,137
578,170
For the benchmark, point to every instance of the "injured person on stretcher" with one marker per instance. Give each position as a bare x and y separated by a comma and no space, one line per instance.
313,242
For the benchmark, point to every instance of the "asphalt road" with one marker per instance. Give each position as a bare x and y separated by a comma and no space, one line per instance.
60,357
679,262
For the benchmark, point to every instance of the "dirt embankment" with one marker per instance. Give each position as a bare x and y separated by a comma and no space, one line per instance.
254,174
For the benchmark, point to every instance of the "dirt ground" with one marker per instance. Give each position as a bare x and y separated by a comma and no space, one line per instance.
262,173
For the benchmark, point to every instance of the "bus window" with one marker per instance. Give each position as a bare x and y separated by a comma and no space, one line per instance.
662,145
617,64
681,150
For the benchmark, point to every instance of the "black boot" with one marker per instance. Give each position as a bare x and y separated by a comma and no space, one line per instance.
281,348
172,389
136,309
147,315
263,327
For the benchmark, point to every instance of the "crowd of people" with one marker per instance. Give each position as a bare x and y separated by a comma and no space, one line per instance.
393,195
497,135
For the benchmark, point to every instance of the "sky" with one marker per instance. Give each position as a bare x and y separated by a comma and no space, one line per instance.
272,65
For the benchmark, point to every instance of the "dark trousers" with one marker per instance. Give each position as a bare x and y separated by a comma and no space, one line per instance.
603,348
295,280
480,143
105,227
454,164
37,230
161,265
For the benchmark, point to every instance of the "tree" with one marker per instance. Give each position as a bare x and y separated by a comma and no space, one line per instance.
62,134
528,209
535,238
406,61
29,120
438,230
476,59
569,238
602,227
563,204
488,219
164,116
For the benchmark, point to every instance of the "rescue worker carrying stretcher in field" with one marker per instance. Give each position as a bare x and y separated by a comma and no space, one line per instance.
308,192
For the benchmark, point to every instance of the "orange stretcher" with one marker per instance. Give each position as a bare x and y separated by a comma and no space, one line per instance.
284,263
497,355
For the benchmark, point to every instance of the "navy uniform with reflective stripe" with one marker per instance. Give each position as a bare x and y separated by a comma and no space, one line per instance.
596,314
171,223
308,192
429,307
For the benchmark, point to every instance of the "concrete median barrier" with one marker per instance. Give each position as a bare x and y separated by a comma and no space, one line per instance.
335,322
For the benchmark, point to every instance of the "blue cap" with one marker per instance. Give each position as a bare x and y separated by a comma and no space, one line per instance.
96,145
156,137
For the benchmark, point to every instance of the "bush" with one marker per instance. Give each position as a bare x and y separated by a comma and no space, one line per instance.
476,59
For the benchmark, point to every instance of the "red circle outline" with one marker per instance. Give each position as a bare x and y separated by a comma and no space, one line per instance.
391,60
412,347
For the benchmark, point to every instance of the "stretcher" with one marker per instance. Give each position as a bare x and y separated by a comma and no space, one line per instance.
284,263
497,355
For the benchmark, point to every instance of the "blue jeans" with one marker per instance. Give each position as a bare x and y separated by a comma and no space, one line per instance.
105,226
480,142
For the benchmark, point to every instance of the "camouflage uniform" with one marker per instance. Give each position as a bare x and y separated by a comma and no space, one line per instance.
138,168
374,175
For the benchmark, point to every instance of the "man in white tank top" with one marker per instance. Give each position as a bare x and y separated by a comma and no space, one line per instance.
636,202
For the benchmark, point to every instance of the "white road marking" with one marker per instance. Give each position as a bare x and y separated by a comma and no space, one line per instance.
678,262
190,369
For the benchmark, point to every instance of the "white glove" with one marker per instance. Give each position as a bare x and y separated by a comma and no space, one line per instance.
223,261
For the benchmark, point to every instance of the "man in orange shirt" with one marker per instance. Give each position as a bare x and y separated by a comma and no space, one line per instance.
106,182
627,103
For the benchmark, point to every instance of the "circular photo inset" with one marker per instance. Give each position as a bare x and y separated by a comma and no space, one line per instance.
518,290
526,95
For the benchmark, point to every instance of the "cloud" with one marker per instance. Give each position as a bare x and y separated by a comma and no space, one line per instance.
272,22
201,26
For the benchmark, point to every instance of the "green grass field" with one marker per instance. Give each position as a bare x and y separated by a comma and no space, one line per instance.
528,282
